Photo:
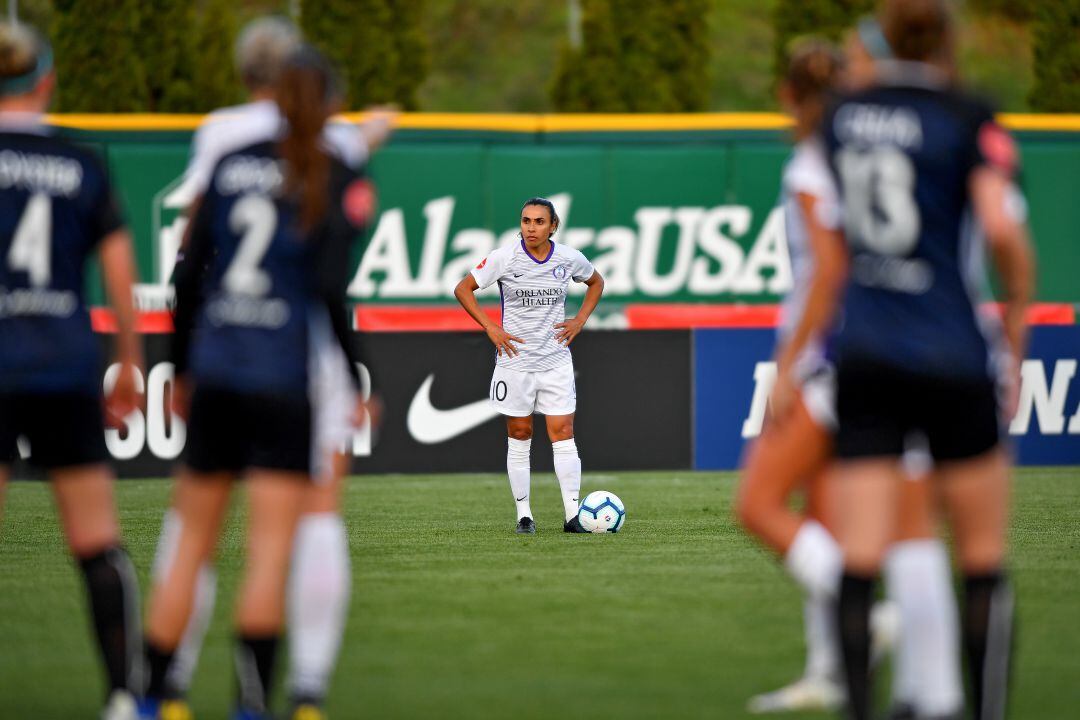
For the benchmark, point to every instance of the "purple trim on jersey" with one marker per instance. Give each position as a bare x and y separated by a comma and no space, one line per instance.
502,305
551,251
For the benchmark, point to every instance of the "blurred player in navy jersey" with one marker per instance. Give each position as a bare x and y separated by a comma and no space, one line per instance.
796,444
925,180
266,269
56,210
534,371
320,580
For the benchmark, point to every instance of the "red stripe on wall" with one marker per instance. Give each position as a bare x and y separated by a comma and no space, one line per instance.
666,317
412,318
150,322
658,316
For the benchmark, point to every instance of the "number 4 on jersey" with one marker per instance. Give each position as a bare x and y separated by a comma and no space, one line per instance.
32,244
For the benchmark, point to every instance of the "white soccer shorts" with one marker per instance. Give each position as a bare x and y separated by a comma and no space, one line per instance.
333,401
817,383
520,394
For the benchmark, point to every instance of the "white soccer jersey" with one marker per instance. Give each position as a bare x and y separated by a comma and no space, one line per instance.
533,299
806,172
231,128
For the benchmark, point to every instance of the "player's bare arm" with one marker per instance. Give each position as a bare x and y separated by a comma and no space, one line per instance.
465,292
569,329
995,201
118,269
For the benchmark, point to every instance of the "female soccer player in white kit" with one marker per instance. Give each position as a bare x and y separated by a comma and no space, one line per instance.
534,371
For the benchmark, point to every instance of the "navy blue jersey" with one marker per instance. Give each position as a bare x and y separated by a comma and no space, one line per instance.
251,278
56,205
903,153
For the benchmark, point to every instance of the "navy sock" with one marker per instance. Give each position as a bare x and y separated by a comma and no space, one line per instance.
853,622
158,660
114,604
988,618
255,656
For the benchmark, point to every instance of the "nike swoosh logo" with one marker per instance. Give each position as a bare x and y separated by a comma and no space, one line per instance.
517,275
430,425
521,499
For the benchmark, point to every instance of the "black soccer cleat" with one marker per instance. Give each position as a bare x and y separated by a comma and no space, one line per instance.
573,525
525,526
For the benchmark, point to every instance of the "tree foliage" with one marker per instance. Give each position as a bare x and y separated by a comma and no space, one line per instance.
379,46
1056,43
636,56
164,42
215,82
97,58
132,56
1019,10
824,18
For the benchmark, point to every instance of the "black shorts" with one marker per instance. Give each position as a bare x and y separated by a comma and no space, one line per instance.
878,407
231,431
65,429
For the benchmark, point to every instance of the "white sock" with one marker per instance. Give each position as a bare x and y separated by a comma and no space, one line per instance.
318,602
517,467
202,610
822,649
919,581
568,470
815,560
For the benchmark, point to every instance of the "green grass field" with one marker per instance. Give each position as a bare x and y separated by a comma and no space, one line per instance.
679,615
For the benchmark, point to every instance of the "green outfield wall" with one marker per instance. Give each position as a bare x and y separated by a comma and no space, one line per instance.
669,208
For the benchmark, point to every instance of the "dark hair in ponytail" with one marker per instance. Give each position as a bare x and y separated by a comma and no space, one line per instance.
307,90
813,69
544,202
920,30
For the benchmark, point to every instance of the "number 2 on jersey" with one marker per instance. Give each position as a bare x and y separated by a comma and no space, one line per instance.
254,217
879,201
31,246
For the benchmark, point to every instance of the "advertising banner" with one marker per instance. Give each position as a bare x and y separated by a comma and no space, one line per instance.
666,218
664,399
633,406
633,403
734,373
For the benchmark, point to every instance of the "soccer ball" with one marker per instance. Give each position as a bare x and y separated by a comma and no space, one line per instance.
602,512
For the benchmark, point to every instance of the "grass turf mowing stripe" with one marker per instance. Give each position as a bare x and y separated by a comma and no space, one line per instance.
455,616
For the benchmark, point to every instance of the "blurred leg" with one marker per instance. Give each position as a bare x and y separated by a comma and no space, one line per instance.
919,580
976,494
182,668
84,499
866,496
786,455
4,472
318,594
199,503
275,499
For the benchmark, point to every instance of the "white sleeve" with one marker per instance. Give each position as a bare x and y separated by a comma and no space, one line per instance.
808,173
347,142
580,267
492,267
199,169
